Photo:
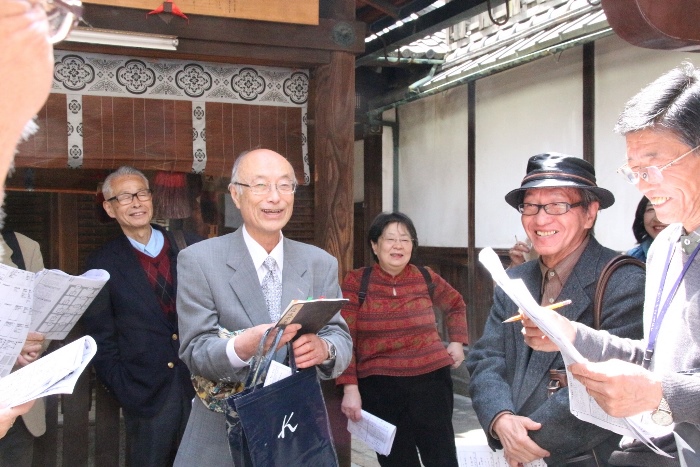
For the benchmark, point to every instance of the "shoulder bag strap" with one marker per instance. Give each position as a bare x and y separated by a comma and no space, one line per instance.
364,284
179,237
605,275
11,240
428,280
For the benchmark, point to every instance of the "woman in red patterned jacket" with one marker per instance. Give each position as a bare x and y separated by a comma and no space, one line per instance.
400,369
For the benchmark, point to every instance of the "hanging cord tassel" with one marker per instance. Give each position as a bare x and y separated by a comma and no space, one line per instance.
170,196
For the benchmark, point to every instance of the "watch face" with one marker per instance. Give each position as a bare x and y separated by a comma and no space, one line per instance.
661,417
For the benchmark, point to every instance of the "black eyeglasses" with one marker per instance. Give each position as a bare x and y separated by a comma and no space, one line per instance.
63,16
553,209
128,198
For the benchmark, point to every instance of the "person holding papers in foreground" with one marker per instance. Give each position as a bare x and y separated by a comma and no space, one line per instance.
558,201
17,448
400,369
26,57
658,374
237,285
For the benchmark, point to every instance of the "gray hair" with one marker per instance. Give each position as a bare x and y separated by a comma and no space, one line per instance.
671,103
122,171
234,172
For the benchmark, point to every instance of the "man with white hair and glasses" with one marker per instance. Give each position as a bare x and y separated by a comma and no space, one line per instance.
659,374
27,32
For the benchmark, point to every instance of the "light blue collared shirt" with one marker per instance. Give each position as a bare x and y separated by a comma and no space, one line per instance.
153,247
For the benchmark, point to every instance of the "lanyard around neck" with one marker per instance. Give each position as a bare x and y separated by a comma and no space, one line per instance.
658,316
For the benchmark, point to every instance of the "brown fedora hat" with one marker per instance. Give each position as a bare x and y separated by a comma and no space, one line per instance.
553,169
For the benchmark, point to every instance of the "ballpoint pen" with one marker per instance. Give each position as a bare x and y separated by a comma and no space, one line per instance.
553,306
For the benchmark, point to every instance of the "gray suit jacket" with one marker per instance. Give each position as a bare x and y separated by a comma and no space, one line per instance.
507,375
219,286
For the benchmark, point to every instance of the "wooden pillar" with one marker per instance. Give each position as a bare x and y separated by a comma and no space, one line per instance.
373,184
333,91
64,229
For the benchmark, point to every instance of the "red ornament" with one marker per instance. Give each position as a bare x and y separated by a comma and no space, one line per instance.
169,7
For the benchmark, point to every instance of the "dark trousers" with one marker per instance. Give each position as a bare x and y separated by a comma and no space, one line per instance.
17,447
153,442
421,408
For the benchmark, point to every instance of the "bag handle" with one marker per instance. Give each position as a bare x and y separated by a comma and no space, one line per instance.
262,358
607,272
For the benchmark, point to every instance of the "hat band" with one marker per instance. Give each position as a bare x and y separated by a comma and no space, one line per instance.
559,175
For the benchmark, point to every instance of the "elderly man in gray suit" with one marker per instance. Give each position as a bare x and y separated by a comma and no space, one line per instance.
225,293
558,201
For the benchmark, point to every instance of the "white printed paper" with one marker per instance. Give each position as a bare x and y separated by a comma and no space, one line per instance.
475,452
55,373
61,299
375,432
276,372
581,405
15,314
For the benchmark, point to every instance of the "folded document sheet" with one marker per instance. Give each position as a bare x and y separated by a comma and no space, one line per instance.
54,373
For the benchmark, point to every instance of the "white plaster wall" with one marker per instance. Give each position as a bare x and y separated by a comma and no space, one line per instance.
358,182
522,112
433,167
621,71
534,108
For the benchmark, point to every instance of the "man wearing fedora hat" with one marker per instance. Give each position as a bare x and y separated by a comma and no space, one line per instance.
558,201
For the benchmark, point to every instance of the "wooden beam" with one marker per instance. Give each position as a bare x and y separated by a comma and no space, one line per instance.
283,11
330,34
216,52
333,109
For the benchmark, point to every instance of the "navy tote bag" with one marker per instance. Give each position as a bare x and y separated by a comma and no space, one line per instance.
285,423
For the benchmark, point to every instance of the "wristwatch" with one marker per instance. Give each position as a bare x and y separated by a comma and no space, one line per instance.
662,415
331,353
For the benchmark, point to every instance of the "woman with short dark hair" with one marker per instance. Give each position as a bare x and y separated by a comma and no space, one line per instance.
400,368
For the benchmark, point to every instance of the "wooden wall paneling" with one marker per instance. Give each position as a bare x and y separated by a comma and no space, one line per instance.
46,446
283,11
107,426
234,31
75,409
65,232
48,147
333,88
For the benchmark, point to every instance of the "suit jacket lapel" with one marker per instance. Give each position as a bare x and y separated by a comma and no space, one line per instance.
295,286
582,276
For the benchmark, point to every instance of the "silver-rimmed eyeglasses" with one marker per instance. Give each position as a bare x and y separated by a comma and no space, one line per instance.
128,198
63,15
553,209
283,188
403,241
651,174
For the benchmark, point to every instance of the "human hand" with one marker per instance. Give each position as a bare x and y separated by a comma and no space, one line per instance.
8,415
246,343
456,351
31,350
622,389
519,253
352,402
518,447
310,350
536,339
